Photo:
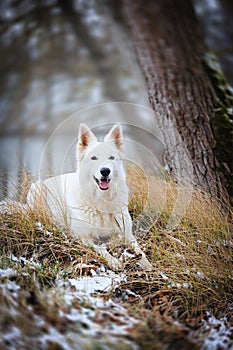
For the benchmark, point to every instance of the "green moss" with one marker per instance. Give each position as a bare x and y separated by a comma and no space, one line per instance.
222,119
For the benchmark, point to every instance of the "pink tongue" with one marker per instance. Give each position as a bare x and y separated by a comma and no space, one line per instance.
103,184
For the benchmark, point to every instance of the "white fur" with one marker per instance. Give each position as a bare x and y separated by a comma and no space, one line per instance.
76,199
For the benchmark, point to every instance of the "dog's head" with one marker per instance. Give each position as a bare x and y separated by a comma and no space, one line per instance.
100,162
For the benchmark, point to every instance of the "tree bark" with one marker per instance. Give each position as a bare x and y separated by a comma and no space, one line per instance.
170,52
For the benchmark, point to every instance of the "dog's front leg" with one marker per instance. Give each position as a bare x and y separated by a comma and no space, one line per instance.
114,263
101,250
130,239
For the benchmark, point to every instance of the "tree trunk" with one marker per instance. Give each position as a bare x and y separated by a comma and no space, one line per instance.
170,52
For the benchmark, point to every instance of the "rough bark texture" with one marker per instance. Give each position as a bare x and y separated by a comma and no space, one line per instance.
170,52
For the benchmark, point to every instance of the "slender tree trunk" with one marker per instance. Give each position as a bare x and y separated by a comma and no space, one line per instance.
170,52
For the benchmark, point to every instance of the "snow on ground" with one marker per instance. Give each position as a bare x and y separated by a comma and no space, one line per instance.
220,334
93,319
84,317
81,314
100,281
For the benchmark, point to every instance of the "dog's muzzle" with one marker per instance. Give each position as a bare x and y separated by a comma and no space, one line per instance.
104,180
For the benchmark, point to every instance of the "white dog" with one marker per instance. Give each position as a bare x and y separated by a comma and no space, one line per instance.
93,201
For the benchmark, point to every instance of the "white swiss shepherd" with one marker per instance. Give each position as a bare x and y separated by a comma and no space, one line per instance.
93,201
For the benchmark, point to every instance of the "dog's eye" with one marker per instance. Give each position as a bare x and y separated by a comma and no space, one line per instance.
94,158
111,157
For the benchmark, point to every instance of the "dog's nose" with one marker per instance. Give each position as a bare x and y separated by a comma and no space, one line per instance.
105,171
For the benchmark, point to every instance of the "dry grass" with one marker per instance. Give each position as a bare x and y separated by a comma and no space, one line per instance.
31,235
192,261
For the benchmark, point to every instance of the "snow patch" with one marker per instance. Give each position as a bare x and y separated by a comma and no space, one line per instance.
220,334
97,283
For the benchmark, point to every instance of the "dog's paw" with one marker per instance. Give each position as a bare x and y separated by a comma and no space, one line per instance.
145,264
115,264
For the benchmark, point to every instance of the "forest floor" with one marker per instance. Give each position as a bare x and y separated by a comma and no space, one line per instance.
56,294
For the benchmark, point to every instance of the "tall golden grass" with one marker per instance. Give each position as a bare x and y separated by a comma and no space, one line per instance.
193,260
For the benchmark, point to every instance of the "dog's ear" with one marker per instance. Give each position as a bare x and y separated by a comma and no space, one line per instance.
115,135
85,137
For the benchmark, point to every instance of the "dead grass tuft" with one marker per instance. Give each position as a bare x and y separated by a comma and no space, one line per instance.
192,261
